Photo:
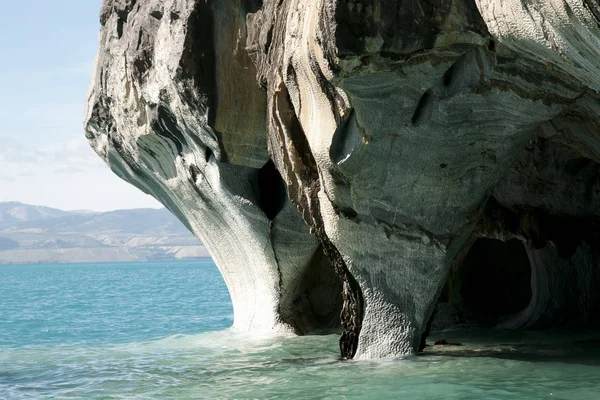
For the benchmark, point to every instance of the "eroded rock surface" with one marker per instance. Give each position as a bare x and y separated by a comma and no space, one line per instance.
174,110
386,137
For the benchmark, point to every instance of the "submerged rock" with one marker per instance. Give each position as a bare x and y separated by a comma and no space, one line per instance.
339,159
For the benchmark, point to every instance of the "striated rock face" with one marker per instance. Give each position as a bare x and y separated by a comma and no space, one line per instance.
342,160
174,110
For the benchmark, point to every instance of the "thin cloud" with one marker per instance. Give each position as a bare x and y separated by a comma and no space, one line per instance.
69,170
17,174
75,153
47,114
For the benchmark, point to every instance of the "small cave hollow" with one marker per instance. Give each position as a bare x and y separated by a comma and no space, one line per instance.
315,305
271,189
495,280
345,140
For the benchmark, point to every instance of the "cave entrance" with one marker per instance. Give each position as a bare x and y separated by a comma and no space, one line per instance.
495,280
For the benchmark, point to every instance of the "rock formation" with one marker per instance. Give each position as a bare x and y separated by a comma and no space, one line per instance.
340,159
174,109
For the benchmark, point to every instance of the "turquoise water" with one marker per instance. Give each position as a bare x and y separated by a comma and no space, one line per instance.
159,331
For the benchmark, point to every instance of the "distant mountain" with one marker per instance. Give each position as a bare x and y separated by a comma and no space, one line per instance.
36,234
14,212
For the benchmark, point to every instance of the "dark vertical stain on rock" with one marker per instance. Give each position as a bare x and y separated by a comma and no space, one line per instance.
300,165
198,59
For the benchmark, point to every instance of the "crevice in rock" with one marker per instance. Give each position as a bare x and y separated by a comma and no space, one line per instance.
143,63
208,154
425,108
271,190
269,40
277,265
120,24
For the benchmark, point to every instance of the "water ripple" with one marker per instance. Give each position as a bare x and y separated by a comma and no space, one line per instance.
159,331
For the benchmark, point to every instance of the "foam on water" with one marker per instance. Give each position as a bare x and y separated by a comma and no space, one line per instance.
220,363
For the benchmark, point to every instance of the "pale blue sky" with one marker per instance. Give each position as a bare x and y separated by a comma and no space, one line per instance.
47,50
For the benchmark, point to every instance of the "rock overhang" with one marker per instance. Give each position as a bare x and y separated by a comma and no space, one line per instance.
392,124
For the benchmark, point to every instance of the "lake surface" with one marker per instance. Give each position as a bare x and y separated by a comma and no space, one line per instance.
160,331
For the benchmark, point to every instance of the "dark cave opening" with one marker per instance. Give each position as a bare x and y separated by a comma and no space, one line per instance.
495,280
271,189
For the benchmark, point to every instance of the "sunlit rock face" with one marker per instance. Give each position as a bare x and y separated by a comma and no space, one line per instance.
174,109
399,132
